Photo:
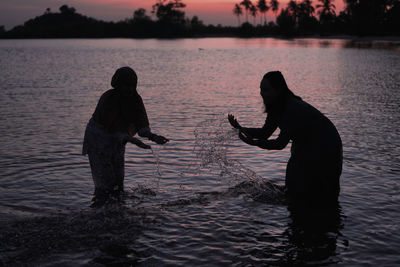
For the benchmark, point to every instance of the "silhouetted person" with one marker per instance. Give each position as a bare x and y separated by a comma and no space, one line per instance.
119,115
315,164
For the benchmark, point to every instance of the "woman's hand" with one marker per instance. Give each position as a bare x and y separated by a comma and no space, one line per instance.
139,143
233,122
247,139
159,139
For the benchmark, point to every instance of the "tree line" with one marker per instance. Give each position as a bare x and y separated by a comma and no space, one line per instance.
167,19
302,17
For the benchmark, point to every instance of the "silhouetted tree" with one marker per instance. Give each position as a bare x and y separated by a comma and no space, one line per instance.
141,24
326,10
263,8
237,10
327,15
65,9
274,5
66,24
253,12
359,17
196,26
246,30
195,22
293,8
140,15
169,12
286,22
368,17
246,4
306,8
306,21
392,21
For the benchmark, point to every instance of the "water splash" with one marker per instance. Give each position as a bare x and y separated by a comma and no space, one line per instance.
213,137
141,192
157,171
157,162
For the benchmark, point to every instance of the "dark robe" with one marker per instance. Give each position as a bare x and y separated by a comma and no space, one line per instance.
315,164
117,112
116,119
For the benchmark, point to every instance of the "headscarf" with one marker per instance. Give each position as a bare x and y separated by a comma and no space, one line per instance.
122,76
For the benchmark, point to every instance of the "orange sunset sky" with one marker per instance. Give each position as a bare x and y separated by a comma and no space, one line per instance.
16,12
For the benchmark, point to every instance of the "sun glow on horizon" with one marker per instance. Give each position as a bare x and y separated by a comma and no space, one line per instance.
209,11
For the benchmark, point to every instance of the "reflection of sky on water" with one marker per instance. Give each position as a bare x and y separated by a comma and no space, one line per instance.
49,91
209,43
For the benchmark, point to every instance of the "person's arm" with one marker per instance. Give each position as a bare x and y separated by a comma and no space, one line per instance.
141,122
139,143
146,132
274,144
265,132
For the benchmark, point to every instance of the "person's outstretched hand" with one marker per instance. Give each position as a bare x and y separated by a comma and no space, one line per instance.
247,139
139,143
159,139
233,122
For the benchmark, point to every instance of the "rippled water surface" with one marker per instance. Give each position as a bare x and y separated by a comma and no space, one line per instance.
205,198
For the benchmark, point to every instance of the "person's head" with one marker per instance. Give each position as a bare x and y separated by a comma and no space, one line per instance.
125,79
274,90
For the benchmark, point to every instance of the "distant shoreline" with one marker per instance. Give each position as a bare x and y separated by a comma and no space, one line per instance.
371,38
172,23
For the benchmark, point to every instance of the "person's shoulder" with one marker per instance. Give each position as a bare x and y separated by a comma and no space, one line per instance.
302,108
298,109
109,92
136,98
294,104
108,98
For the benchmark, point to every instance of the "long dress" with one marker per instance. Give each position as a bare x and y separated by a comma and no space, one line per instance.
315,165
116,119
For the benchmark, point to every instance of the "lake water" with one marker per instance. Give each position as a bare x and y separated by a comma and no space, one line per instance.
205,198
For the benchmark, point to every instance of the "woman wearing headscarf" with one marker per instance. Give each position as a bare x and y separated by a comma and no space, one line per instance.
315,164
119,115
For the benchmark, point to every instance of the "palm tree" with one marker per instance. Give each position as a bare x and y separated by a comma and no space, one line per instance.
293,8
307,8
238,12
306,20
263,8
326,12
350,5
326,9
253,13
274,5
247,5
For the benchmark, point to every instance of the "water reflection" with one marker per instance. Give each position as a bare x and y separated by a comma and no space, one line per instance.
201,44
370,44
312,235
44,117
343,43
